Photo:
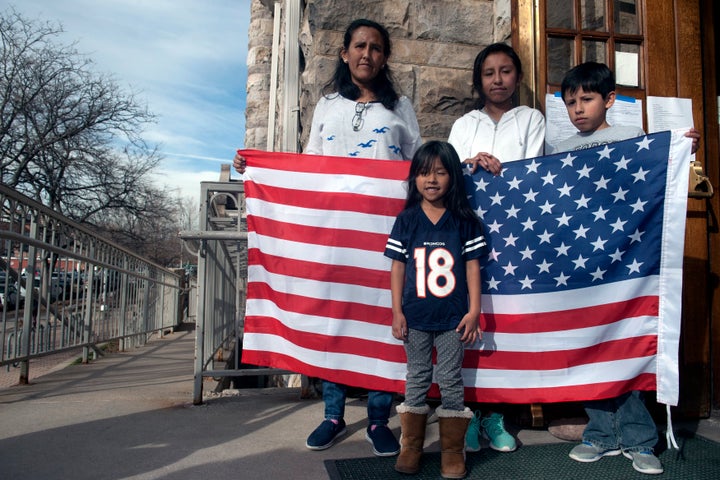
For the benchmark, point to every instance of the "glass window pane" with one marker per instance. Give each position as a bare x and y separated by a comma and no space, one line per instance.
627,64
626,17
593,51
593,15
561,14
561,52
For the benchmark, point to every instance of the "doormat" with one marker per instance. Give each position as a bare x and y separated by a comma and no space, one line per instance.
696,459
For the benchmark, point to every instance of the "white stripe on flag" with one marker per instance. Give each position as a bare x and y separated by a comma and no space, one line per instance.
616,370
349,257
360,221
314,182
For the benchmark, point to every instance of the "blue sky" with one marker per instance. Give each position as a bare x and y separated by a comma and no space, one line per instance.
185,58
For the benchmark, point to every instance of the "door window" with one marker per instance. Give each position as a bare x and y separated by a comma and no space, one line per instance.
606,31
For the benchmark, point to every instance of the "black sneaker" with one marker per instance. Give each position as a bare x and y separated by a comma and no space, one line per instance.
325,434
383,441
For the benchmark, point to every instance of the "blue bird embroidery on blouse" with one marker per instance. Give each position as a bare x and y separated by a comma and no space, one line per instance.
368,144
381,130
353,154
395,149
331,138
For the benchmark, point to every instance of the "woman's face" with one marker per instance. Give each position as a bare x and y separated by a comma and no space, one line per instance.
365,56
499,79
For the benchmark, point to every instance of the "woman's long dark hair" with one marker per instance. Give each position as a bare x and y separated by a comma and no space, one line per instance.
480,59
456,200
341,81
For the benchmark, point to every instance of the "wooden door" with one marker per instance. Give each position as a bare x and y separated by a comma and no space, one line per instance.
673,43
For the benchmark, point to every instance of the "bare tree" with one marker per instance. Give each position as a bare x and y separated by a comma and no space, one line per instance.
189,212
152,236
69,137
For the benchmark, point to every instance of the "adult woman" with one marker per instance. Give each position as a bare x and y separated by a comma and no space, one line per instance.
360,115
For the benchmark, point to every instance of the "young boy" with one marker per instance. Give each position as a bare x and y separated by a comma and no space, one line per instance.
621,424
588,91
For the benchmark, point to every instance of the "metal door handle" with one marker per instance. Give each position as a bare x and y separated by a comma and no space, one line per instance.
700,186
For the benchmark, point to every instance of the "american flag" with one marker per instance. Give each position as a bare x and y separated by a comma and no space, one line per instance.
581,289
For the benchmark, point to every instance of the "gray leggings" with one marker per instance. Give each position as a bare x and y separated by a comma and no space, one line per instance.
448,370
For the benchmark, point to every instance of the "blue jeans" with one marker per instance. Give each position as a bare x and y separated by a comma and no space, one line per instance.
621,422
378,405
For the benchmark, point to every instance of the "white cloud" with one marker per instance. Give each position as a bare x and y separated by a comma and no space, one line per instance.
184,183
186,59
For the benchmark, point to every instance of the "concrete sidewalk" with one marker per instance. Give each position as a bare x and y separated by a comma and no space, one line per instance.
129,415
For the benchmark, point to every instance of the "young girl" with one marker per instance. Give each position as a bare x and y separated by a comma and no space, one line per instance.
435,282
498,131
360,115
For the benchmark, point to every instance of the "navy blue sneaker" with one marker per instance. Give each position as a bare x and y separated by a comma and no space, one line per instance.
383,441
325,434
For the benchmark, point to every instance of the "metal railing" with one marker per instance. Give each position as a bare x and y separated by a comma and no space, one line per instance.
220,244
63,287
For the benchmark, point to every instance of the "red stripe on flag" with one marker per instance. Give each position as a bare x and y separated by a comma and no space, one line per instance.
591,316
328,342
319,307
345,377
293,162
331,201
327,237
570,393
364,277
555,360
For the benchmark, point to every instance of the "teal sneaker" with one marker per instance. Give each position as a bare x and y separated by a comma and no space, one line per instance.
472,436
494,430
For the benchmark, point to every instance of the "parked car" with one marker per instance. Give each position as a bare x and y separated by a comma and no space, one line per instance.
10,298
67,283
54,290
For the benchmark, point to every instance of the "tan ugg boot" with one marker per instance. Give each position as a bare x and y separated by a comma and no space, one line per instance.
453,425
412,437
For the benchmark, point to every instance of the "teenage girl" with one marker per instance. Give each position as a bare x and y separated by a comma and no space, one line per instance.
498,131
434,245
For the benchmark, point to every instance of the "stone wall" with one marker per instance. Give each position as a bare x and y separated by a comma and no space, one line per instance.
259,54
434,45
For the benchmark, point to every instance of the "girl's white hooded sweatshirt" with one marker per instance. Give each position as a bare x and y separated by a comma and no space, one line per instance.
519,134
